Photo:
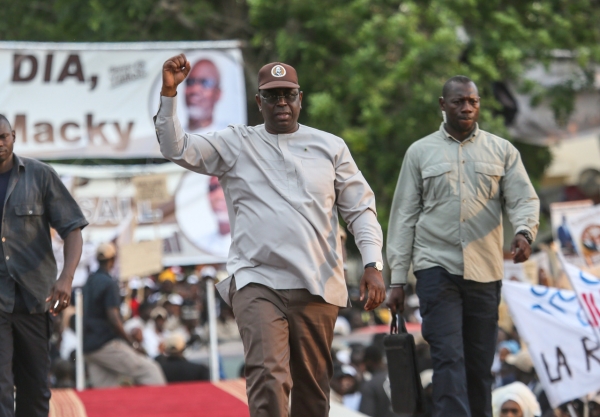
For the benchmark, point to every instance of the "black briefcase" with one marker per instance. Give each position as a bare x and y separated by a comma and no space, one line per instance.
405,381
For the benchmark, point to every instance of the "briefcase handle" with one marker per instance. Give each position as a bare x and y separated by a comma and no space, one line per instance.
394,325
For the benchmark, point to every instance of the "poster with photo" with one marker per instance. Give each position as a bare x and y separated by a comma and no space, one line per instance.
559,215
129,204
97,100
585,231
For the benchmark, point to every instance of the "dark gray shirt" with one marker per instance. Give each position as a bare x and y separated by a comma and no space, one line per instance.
36,199
100,294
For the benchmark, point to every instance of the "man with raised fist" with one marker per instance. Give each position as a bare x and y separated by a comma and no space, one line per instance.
285,184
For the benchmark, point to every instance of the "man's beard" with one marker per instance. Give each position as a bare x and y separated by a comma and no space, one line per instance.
199,113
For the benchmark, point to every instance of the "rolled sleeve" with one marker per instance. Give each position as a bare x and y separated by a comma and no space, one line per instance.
64,213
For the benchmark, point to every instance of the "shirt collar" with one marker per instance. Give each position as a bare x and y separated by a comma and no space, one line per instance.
18,161
450,138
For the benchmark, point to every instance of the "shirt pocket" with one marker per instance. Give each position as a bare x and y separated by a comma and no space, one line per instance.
488,180
319,176
274,170
29,216
437,181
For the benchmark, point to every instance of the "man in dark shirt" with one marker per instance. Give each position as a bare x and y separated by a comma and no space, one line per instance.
375,401
175,366
109,353
33,200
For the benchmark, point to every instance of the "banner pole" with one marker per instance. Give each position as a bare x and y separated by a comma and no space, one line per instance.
79,364
212,327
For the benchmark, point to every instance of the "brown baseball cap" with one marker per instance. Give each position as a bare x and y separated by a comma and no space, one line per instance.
277,75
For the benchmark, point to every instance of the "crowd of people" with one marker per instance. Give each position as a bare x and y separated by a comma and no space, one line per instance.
162,316
166,319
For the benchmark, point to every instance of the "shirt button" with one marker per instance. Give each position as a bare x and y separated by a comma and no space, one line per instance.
463,182
7,258
4,239
463,162
463,220
31,212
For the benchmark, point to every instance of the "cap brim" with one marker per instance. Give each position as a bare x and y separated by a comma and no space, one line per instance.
278,84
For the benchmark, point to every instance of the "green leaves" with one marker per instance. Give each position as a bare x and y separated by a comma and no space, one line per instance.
371,70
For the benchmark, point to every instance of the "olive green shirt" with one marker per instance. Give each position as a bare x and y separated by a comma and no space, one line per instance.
447,208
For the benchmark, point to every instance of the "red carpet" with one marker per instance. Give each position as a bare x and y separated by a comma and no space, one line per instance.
225,399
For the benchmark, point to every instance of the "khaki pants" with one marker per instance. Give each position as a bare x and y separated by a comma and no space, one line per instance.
287,337
116,359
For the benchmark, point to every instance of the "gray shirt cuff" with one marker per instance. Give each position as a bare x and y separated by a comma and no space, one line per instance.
399,276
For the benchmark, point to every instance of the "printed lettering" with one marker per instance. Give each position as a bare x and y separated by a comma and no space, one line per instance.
561,361
589,352
124,136
18,61
48,69
43,133
72,68
64,135
592,308
20,127
96,130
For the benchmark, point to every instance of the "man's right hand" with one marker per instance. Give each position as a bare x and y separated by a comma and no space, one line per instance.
174,71
395,301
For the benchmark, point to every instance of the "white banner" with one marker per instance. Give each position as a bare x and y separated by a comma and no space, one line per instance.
190,217
563,347
587,288
73,101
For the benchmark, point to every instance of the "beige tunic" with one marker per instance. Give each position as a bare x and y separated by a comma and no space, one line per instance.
284,193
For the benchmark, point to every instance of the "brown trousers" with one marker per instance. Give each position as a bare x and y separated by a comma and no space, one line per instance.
287,337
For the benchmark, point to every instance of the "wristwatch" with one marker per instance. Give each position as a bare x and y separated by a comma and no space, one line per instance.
377,265
527,235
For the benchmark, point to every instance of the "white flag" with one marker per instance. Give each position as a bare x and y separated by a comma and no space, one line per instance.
587,288
562,344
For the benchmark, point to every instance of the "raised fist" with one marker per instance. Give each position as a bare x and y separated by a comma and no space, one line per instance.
174,71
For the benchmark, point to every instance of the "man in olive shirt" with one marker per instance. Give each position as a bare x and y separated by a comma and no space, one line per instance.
446,219
33,200
285,185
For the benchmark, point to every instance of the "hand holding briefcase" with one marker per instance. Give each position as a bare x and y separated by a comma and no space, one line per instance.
405,382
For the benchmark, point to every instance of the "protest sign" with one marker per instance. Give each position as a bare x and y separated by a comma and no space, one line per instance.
562,344
187,211
559,215
585,230
140,259
97,100
587,289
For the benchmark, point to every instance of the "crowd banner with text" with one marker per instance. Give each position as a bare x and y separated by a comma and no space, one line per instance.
561,341
587,288
97,100
129,204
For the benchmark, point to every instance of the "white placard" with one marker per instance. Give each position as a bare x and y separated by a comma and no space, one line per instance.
562,344
97,100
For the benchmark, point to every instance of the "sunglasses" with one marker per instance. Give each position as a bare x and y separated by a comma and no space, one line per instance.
203,82
274,99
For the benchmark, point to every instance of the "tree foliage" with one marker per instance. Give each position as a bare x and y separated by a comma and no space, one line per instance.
371,70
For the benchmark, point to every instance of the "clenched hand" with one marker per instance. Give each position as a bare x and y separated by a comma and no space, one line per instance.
174,71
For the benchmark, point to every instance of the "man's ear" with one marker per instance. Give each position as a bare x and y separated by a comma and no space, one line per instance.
258,103
442,103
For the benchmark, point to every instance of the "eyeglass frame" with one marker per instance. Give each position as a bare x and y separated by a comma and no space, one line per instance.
192,81
277,98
